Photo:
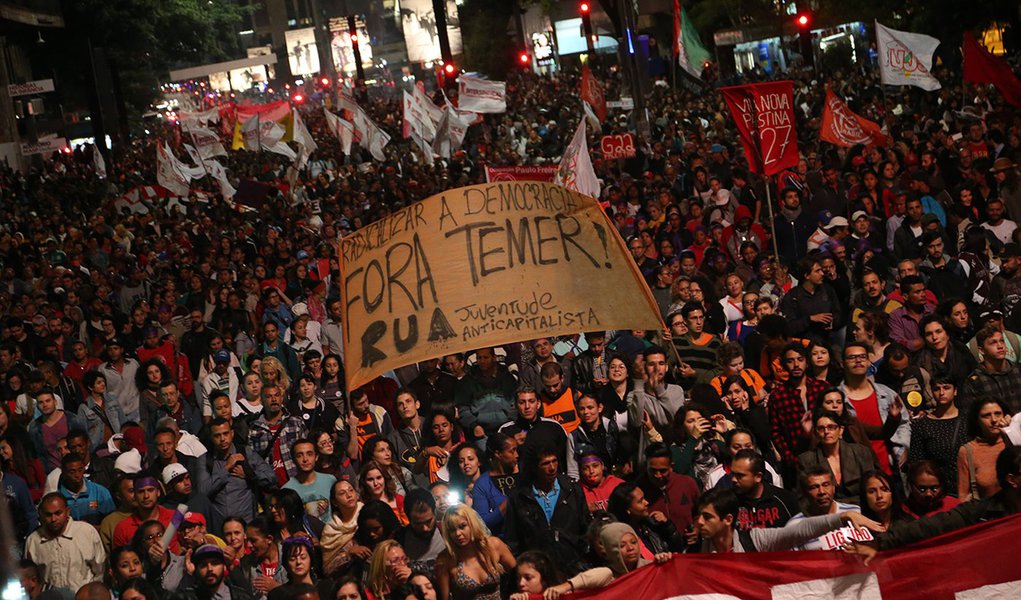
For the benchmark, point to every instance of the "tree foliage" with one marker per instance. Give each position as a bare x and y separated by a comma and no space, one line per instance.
487,47
144,39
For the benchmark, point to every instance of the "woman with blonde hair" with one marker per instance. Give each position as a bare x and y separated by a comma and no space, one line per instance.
271,369
388,569
473,561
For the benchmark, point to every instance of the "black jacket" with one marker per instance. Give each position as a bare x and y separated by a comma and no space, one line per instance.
563,537
963,515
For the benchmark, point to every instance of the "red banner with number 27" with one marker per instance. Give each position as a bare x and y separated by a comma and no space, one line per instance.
764,114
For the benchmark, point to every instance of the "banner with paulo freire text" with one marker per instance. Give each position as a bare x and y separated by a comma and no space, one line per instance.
484,265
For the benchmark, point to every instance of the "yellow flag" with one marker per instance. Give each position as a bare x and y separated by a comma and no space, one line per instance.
238,142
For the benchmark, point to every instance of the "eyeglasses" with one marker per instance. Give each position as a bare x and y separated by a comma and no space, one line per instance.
856,357
400,560
826,428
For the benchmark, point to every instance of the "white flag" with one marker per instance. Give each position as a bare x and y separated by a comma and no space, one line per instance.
457,127
219,174
575,171
207,142
301,135
906,58
342,128
169,171
100,164
250,132
591,116
372,137
207,116
481,95
416,121
434,112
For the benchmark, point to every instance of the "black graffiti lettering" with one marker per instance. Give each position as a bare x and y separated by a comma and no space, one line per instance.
402,277
542,240
405,343
371,304
483,252
439,326
372,334
520,244
567,237
467,230
445,213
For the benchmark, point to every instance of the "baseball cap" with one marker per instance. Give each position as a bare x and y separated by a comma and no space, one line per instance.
194,518
929,218
222,356
716,148
207,551
302,254
114,341
859,214
837,222
172,472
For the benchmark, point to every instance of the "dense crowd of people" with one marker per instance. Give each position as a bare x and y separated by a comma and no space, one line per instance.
174,419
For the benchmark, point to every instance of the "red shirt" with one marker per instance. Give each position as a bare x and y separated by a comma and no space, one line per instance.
126,529
868,413
77,371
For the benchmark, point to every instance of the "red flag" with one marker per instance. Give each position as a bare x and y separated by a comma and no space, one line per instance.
842,127
968,563
592,92
982,67
764,114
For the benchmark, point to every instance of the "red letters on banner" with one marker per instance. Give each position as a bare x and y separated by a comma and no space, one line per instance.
618,146
764,114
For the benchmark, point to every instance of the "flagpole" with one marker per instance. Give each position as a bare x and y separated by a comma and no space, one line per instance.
772,220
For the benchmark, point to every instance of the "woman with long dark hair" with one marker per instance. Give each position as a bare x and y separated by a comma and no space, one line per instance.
466,466
880,499
148,378
657,533
338,538
381,450
976,460
489,494
376,483
288,512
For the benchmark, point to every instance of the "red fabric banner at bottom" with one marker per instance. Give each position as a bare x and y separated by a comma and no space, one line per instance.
976,563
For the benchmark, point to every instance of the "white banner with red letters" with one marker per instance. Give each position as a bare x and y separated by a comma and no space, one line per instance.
976,563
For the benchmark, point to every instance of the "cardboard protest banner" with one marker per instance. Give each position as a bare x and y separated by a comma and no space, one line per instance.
480,266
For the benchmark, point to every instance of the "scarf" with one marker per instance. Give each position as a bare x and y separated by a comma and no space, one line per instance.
337,534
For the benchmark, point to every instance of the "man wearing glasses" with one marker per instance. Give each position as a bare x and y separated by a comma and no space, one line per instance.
877,407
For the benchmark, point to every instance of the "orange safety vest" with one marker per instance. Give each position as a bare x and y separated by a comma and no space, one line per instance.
563,411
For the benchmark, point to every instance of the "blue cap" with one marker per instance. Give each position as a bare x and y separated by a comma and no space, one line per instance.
221,356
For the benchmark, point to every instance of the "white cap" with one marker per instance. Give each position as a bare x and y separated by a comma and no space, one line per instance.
837,222
129,462
172,472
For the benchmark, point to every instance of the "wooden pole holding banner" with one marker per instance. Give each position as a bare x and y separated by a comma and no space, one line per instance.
772,220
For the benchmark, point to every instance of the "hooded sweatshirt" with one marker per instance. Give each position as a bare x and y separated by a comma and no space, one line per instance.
610,537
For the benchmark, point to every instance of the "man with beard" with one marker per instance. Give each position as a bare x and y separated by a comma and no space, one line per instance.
871,297
789,402
793,226
421,538
209,580
762,505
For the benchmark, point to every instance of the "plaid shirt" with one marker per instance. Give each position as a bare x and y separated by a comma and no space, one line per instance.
785,412
260,435
998,385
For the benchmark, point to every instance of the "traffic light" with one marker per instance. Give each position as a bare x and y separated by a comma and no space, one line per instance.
449,68
803,23
524,59
585,10
325,82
